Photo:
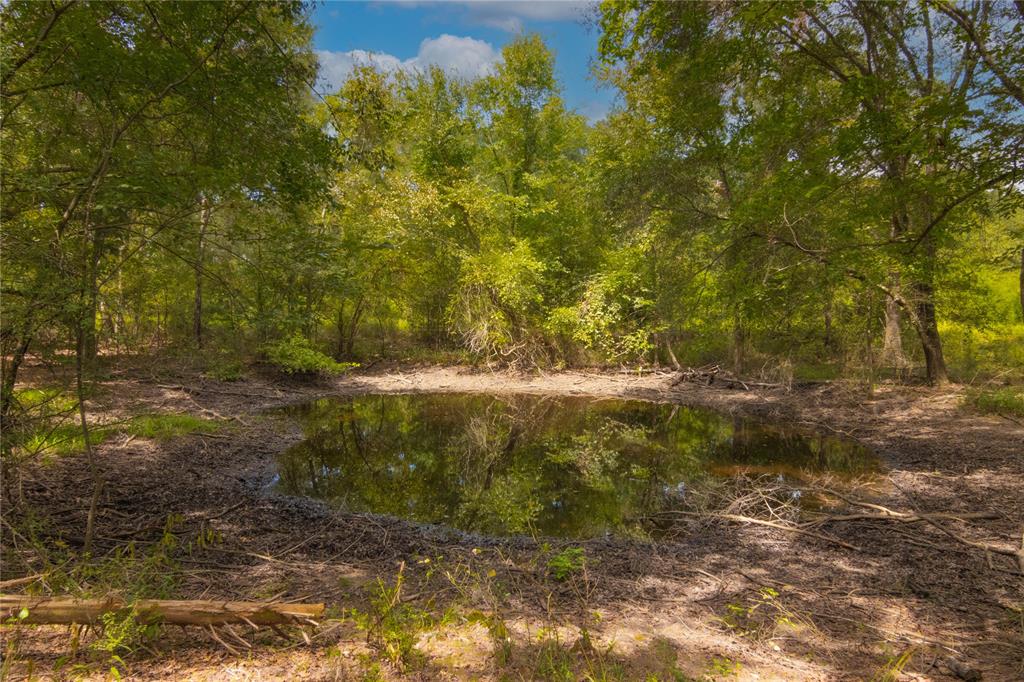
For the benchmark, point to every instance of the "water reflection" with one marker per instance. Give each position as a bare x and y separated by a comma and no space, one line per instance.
569,467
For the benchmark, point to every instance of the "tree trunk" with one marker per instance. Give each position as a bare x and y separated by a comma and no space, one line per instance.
347,332
935,362
90,454
1022,284
197,306
671,353
340,353
44,610
927,326
921,313
10,371
828,342
91,340
892,341
739,337
350,342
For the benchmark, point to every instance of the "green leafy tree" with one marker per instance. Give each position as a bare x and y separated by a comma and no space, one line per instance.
825,140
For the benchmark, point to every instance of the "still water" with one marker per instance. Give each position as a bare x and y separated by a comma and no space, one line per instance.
522,464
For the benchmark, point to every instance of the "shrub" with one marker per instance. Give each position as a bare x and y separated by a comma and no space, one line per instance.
496,309
1005,401
227,370
295,355
566,563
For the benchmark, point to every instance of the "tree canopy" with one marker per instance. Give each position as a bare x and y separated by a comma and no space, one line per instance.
794,188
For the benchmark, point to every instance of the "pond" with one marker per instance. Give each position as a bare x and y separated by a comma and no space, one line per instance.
525,464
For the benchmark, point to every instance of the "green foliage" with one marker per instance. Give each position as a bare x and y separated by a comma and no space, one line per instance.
567,563
392,626
205,112
225,367
121,633
755,199
498,301
1007,401
723,667
44,422
295,355
50,400
770,231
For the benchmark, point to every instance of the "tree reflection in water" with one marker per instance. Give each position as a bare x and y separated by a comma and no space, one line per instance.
507,465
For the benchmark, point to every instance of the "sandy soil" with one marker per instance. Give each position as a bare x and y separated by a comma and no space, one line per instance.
725,601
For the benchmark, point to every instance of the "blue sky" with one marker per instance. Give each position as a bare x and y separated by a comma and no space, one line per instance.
464,38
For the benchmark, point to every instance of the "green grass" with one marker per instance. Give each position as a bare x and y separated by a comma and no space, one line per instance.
52,400
1007,401
62,439
58,433
165,426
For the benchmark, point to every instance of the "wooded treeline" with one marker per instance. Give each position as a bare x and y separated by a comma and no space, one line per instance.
818,186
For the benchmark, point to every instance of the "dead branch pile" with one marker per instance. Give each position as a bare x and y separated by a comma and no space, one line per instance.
767,497
765,500
773,502
714,375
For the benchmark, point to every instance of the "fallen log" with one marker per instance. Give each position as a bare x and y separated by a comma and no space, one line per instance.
14,582
62,611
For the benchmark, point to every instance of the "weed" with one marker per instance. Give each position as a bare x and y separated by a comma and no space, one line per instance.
391,626
893,668
566,563
723,667
52,400
120,632
747,619
55,440
372,671
554,661
133,573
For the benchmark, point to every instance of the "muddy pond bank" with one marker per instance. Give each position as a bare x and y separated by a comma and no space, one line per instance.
724,596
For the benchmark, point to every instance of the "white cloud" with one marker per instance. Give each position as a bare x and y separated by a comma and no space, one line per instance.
510,15
336,67
458,56
466,57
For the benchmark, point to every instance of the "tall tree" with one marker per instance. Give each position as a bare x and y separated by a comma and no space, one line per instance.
882,107
118,119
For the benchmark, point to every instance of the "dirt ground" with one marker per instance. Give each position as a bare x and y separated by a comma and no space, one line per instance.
729,600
